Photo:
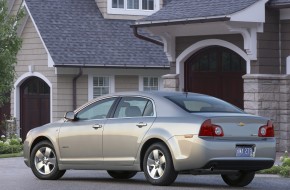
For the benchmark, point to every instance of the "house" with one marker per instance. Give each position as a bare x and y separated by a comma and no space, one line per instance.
75,50
236,50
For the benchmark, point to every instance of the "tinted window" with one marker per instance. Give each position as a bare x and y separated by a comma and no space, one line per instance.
134,107
193,103
97,110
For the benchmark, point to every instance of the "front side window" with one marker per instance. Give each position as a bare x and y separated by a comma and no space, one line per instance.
97,110
134,107
101,86
150,83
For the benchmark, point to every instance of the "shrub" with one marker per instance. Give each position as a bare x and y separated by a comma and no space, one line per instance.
283,170
10,145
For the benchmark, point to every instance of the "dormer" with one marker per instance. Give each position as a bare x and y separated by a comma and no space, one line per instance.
128,9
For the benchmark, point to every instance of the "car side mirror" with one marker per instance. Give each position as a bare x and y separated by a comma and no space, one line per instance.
70,116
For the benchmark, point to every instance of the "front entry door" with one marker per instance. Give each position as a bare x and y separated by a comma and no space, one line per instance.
34,105
216,71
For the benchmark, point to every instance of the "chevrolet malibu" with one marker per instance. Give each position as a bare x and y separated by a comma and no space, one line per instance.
159,133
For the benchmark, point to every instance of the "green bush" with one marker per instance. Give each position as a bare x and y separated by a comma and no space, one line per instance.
8,146
286,162
283,170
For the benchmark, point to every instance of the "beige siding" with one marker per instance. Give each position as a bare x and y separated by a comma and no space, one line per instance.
126,83
268,46
16,6
33,54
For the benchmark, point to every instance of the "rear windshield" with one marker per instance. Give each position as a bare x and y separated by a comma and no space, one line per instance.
196,103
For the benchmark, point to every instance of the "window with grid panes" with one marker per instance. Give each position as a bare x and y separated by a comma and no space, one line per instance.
101,86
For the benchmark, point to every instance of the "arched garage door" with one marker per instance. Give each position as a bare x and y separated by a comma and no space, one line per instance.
216,71
34,104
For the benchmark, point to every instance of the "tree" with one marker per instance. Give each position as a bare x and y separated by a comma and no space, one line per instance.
10,44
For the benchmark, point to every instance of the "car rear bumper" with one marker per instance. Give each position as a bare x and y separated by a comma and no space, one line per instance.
236,164
197,153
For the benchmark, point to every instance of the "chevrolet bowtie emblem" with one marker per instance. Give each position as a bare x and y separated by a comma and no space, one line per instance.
241,124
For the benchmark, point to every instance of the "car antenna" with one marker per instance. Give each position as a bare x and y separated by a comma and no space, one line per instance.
185,92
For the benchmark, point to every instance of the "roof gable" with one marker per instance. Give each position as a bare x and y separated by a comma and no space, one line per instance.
76,34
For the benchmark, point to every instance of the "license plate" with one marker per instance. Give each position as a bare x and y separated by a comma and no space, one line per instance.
244,151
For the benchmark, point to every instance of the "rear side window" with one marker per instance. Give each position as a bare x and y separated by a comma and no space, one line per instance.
197,103
134,107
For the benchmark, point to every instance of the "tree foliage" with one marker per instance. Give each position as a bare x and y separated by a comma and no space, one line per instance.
10,44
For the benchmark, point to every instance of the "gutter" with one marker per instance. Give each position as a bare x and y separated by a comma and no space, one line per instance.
123,66
142,37
279,5
180,22
171,22
74,81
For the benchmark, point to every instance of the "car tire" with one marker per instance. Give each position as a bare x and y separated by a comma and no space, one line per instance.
121,174
43,162
239,180
158,166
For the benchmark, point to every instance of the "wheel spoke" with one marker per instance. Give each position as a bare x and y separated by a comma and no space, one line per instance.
39,155
47,169
52,161
160,172
47,152
162,160
39,165
153,173
150,162
155,154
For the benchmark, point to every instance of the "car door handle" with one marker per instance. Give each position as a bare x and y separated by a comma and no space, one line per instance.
97,126
141,124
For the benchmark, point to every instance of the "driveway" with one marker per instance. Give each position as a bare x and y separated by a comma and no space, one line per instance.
14,175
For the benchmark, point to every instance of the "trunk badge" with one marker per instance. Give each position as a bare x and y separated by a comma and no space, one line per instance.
241,124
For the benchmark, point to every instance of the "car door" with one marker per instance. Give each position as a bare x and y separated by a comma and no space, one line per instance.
80,141
124,132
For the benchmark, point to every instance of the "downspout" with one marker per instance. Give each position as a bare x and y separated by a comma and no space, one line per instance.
280,46
135,31
75,87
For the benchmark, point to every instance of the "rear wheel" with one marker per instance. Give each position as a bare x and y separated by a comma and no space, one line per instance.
240,179
122,174
158,166
43,162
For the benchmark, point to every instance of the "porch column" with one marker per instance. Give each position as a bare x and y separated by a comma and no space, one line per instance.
269,96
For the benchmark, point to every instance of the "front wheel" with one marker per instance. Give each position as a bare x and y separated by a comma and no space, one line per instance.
122,174
240,179
158,166
43,162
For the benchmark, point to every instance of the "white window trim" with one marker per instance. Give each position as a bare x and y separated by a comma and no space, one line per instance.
125,11
141,86
91,85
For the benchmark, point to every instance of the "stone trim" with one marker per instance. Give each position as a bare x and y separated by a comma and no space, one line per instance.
269,96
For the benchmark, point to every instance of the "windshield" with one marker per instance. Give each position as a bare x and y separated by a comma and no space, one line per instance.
198,103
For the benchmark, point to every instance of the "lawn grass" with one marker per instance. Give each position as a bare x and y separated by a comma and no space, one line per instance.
20,154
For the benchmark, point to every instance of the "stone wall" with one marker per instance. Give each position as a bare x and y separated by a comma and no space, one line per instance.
269,96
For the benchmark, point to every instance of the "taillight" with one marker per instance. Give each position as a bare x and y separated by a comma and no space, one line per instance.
266,130
208,129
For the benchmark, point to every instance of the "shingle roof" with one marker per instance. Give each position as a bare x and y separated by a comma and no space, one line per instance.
188,9
76,33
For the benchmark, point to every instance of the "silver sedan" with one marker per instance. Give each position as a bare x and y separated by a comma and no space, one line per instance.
159,133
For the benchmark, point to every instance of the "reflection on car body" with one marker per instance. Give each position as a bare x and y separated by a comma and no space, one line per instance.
159,133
